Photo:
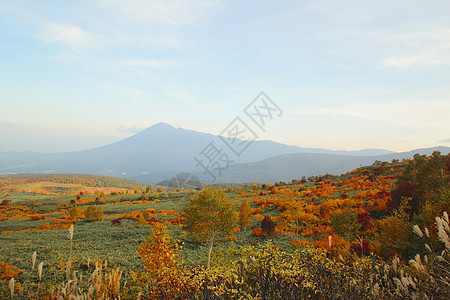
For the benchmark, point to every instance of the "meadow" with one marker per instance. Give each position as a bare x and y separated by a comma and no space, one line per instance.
327,237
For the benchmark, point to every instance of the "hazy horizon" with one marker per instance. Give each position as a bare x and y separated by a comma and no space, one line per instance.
71,143
347,75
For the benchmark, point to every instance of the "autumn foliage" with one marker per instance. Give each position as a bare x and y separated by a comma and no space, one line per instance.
330,235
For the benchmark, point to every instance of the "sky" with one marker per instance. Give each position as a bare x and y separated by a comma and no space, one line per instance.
346,74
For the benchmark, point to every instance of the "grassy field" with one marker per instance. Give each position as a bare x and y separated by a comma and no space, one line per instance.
98,241
94,240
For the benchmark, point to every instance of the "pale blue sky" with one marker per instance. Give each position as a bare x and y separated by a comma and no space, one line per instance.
347,74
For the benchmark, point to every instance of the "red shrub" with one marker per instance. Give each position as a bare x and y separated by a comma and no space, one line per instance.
117,221
382,194
365,221
267,226
153,220
361,248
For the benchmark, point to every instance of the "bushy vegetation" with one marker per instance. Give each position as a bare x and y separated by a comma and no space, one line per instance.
378,232
11,182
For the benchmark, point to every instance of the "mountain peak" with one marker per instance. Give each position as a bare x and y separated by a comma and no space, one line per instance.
158,128
162,125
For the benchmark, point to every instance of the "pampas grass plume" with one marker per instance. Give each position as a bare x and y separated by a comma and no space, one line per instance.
11,286
70,235
33,260
40,270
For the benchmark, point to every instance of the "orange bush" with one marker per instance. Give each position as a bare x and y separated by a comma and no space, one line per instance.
167,212
65,221
133,215
338,244
258,217
300,243
178,220
257,231
45,226
7,271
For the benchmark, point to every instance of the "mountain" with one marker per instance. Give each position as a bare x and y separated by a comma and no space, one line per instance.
161,151
157,150
293,166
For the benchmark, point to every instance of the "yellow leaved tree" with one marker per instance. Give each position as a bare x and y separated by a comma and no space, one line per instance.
245,215
163,276
208,216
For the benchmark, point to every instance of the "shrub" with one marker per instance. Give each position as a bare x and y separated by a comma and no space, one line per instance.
94,213
361,247
365,221
7,271
257,231
267,226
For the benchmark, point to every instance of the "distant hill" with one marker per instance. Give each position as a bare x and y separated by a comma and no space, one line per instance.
82,179
294,166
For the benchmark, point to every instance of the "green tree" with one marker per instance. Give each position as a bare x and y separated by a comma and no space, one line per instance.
99,213
255,187
74,213
208,216
345,224
245,215
89,214
423,180
93,213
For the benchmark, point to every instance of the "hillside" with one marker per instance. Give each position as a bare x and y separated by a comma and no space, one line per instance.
296,165
69,184
336,227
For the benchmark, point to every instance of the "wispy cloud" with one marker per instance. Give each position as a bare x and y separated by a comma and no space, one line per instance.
132,129
444,141
173,12
72,36
147,63
383,33
428,48
413,114
183,98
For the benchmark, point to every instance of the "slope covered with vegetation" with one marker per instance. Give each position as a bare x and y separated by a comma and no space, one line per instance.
378,232
83,179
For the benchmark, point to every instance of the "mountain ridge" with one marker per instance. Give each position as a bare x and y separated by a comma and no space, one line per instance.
159,150
293,166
